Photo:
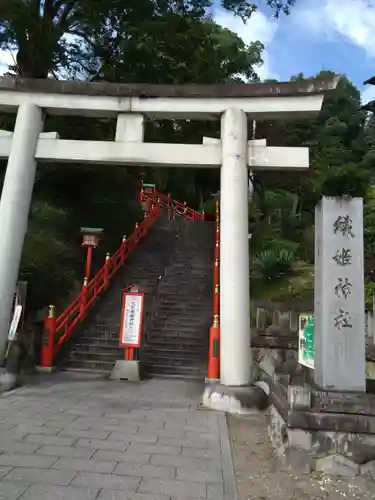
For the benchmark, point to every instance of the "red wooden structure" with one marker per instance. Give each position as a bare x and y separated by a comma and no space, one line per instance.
214,346
58,329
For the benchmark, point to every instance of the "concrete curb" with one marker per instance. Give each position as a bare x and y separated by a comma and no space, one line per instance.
229,477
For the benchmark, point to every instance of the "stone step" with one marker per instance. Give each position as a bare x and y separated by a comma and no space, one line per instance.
182,305
178,319
190,362
172,301
177,329
183,290
103,349
178,371
181,343
112,341
176,338
157,352
107,356
89,365
189,270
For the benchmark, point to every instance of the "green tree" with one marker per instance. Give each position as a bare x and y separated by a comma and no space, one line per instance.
53,35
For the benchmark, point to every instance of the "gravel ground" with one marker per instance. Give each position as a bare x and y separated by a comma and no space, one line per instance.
261,477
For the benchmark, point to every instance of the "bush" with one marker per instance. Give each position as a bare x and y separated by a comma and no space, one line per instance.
274,263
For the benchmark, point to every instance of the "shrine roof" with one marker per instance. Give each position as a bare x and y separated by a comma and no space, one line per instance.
369,106
237,90
370,81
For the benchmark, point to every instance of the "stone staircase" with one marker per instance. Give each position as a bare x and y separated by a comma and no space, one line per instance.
177,339
95,346
173,266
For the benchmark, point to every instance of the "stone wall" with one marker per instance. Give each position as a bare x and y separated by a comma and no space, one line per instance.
316,430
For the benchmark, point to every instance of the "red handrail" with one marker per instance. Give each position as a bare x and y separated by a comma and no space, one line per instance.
57,330
174,207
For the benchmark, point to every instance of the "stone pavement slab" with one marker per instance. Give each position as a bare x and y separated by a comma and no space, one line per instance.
78,436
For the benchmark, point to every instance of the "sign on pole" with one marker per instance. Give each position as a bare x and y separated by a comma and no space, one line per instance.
131,319
306,350
14,324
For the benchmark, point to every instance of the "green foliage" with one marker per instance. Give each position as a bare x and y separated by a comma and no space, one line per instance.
342,156
102,30
369,293
48,262
274,263
369,223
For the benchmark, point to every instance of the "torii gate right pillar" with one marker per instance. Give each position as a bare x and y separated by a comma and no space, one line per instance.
235,348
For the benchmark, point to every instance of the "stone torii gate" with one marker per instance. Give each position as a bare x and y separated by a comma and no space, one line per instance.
131,104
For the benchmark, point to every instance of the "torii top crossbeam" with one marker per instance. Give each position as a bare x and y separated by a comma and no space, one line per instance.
260,100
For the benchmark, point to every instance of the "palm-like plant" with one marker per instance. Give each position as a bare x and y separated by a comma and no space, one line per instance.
274,263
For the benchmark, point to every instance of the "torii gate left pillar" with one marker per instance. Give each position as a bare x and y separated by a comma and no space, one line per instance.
15,206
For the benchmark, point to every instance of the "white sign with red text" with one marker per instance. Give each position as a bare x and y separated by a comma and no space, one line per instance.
131,319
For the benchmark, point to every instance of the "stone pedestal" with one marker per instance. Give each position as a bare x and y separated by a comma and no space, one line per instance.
339,295
126,370
332,432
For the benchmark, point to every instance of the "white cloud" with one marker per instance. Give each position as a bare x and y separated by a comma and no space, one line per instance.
258,27
352,19
368,94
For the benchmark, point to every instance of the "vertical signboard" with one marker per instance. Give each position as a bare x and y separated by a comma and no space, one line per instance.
131,319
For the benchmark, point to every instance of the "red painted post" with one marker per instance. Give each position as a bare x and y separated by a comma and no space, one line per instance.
216,303
83,297
136,230
148,205
141,193
123,250
169,206
107,268
214,350
214,346
216,279
88,262
48,339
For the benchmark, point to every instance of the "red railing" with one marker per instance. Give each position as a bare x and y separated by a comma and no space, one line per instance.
150,195
214,346
57,330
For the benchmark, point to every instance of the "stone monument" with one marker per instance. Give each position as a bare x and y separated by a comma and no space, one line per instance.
340,363
326,420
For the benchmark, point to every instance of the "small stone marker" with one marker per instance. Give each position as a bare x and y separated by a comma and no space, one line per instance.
339,295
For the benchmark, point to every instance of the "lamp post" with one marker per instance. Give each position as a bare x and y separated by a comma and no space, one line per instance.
90,240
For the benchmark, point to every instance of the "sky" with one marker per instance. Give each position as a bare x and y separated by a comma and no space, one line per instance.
337,35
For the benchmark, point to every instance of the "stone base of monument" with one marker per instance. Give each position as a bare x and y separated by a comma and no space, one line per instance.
332,432
235,400
126,370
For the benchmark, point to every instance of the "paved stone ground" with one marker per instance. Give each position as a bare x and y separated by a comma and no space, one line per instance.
261,477
75,436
